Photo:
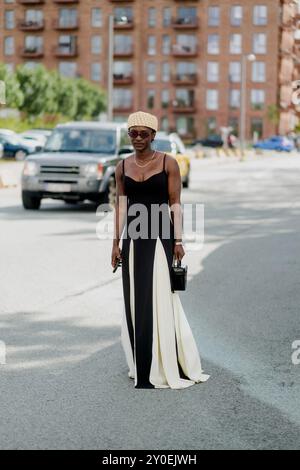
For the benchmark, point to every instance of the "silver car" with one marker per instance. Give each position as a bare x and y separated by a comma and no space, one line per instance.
77,163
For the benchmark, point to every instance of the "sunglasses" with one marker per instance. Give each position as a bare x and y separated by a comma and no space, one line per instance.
134,134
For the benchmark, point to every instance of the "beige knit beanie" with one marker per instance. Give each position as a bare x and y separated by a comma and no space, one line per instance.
142,119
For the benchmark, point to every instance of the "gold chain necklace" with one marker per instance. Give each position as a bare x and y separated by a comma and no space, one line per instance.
142,166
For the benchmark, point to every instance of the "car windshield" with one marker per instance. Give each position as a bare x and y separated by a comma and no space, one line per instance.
162,145
82,140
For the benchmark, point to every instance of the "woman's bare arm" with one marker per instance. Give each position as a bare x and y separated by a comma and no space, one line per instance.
174,189
120,206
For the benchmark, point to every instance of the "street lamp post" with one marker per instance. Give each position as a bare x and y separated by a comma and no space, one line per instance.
110,68
245,59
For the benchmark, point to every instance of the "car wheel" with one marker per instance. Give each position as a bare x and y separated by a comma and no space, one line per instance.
30,202
20,155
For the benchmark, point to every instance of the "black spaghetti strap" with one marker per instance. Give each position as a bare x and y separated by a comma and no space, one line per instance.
164,162
123,169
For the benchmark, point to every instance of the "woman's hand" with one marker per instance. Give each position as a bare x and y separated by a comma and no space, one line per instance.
115,254
178,252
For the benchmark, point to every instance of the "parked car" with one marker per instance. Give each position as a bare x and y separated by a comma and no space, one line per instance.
16,147
38,136
173,145
213,140
77,163
277,142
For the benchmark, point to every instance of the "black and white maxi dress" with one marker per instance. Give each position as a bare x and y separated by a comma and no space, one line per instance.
159,346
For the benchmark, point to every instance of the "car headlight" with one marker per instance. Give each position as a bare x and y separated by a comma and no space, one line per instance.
93,169
30,168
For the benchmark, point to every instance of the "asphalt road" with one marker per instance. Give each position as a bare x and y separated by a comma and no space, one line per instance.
64,384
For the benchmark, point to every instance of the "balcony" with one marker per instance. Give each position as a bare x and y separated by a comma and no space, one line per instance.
179,50
182,107
31,25
122,79
128,52
63,52
185,79
31,2
185,23
63,26
125,23
32,52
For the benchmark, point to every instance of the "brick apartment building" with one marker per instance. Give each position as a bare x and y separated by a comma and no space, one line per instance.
180,60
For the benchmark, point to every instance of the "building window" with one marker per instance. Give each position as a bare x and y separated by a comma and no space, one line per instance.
213,46
67,17
235,72
96,44
122,70
96,72
185,70
9,45
151,45
212,99
34,16
165,74
167,16
257,99
122,44
236,15
68,69
9,19
151,71
150,99
123,15
211,125
185,125
258,72
122,98
151,17
186,15
212,71
260,13
233,122
165,124
259,43
166,44
185,43
234,99
165,98
184,98
214,16
235,45
257,127
67,44
97,18
34,43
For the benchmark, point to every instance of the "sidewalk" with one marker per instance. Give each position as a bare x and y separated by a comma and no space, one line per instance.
10,173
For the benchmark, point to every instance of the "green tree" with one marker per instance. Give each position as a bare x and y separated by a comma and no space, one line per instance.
38,87
66,95
91,100
14,94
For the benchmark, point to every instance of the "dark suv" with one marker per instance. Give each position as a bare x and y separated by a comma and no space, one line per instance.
78,162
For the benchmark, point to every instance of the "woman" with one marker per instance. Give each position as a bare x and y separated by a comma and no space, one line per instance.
158,343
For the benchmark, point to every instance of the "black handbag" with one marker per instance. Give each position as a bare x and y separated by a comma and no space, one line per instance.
178,276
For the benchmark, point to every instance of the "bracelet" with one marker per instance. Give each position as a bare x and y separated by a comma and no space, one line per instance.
178,243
